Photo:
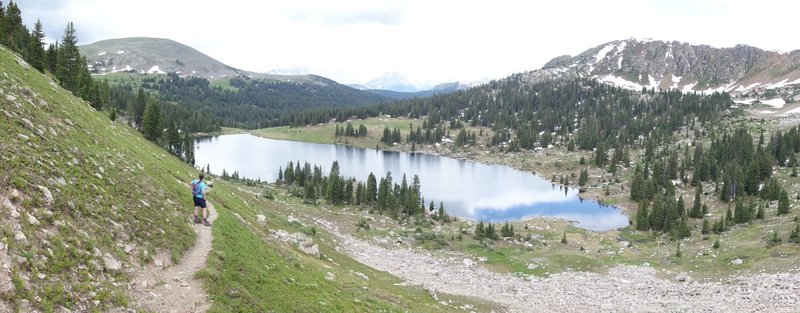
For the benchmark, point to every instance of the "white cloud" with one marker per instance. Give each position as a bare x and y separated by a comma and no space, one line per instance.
429,41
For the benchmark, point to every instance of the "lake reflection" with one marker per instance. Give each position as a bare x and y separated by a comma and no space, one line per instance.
472,190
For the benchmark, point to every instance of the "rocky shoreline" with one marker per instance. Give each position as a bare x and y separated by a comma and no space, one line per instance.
621,289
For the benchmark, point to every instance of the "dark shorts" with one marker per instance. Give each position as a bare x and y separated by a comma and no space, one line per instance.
201,202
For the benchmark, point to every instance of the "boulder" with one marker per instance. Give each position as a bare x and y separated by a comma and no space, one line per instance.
310,250
32,220
48,196
737,262
19,236
468,262
261,219
683,277
110,263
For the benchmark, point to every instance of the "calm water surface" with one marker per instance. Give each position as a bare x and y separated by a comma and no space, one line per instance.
468,189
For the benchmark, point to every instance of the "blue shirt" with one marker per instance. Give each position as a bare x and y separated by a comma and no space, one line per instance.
201,186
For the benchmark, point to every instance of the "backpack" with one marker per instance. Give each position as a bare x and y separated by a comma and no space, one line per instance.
196,191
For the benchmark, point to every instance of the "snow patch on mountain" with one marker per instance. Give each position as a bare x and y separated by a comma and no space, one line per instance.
155,70
603,53
775,103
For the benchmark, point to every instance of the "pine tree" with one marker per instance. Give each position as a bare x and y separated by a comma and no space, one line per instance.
151,121
12,23
68,65
188,149
783,203
584,178
480,232
642,217
310,193
795,235
564,238
716,244
35,49
696,211
706,227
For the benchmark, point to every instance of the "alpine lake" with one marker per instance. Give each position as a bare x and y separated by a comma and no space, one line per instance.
470,190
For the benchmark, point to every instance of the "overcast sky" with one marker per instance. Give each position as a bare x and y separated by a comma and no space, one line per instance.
428,41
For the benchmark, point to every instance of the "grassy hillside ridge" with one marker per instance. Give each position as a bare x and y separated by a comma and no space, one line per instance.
86,202
84,199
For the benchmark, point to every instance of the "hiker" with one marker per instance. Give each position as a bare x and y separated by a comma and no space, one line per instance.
199,197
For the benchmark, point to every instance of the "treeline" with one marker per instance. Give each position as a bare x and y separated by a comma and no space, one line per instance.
349,131
131,103
579,113
255,102
379,195
61,59
738,167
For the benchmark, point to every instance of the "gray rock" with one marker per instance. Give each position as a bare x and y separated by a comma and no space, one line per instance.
10,98
312,250
110,263
19,236
532,266
27,123
48,196
737,262
7,205
15,195
261,219
23,137
32,220
468,262
330,276
683,277
362,275
292,219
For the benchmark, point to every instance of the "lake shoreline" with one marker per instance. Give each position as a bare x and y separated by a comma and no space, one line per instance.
470,156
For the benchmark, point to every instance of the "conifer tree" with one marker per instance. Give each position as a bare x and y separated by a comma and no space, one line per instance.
151,121
783,203
584,178
564,238
188,149
68,65
35,50
706,227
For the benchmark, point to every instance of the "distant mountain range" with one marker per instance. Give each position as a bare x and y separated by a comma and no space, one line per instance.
643,63
144,55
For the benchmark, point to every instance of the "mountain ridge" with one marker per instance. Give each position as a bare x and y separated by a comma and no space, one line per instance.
643,63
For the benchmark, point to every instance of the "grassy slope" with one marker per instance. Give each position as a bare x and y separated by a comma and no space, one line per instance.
138,199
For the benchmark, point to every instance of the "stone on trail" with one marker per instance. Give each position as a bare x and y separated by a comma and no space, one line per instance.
468,262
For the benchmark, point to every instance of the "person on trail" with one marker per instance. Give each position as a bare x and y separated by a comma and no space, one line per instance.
199,197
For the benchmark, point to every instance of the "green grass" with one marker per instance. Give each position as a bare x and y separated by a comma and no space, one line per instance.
325,133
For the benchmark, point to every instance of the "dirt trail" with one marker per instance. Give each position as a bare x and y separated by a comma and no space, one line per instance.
173,289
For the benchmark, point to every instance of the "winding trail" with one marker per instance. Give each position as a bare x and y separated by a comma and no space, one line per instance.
174,289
